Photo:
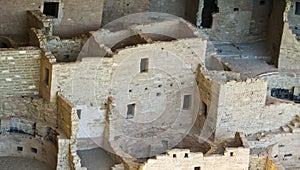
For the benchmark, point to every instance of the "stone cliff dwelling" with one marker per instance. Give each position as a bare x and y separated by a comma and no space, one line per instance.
150,84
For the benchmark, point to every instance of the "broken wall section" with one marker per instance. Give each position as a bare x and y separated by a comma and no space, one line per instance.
250,113
28,107
290,45
41,34
236,157
68,122
235,21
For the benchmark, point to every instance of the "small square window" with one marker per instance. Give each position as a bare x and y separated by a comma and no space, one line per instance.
33,150
231,153
46,76
19,148
51,9
197,168
174,155
186,155
187,99
144,65
236,9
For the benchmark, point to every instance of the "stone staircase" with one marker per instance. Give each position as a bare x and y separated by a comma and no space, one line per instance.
293,127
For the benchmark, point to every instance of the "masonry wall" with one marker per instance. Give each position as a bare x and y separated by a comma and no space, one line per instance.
28,107
68,121
181,8
261,12
36,19
46,151
64,50
79,18
37,140
257,162
183,159
14,21
230,25
282,80
289,50
115,9
242,108
64,115
280,148
162,93
20,70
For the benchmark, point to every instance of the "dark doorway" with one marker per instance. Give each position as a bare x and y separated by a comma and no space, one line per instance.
210,7
297,10
51,9
130,111
191,10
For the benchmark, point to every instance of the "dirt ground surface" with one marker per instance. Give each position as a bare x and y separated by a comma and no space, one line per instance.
95,159
17,163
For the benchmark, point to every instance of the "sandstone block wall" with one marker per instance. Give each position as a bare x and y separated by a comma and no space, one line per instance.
230,25
65,50
289,50
64,115
232,158
248,113
20,71
74,18
28,107
36,19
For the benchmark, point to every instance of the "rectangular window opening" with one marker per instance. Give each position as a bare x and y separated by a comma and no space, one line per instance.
79,113
144,65
46,76
197,168
204,109
262,2
165,144
187,102
51,9
297,10
33,150
236,9
19,148
130,111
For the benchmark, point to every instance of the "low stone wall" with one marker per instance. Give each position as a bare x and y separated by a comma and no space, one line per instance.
232,158
68,122
36,19
257,162
34,108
